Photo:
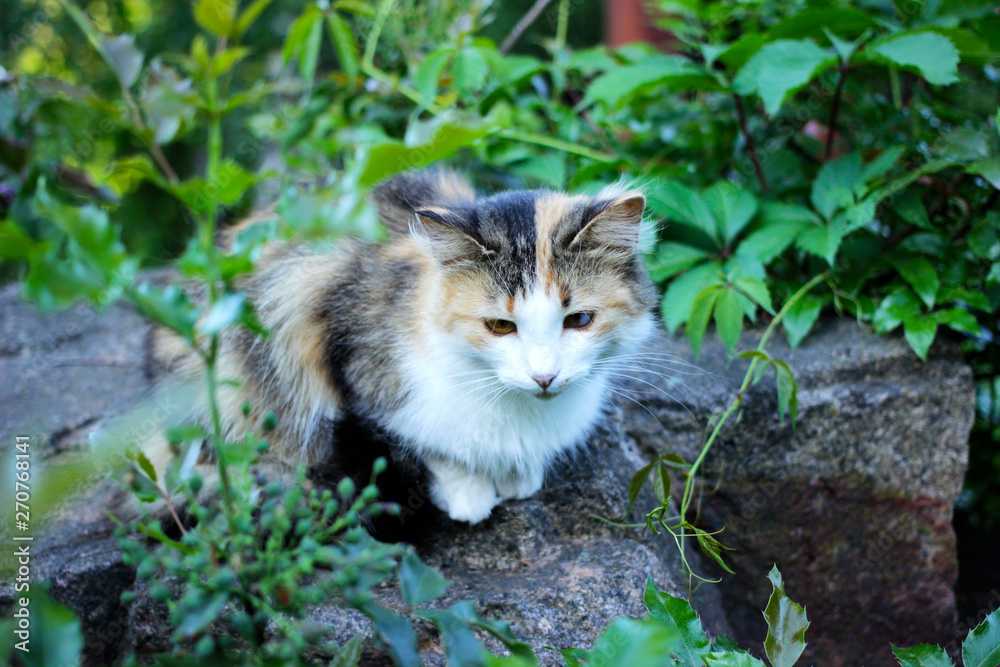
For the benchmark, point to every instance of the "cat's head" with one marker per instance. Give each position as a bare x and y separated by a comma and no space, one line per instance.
542,288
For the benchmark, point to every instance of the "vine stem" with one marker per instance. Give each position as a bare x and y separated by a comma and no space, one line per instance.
831,127
738,401
741,117
383,14
523,24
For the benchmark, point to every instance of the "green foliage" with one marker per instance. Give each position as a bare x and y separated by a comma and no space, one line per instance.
980,648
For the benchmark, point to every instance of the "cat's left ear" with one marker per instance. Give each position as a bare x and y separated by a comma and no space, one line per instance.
613,223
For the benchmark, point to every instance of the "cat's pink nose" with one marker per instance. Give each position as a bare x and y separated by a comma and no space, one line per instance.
544,380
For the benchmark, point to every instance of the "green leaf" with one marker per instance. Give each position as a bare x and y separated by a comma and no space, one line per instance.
824,240
711,547
469,70
984,237
756,291
146,465
460,642
909,207
499,629
972,298
432,141
56,638
924,655
920,274
989,169
931,54
303,41
14,243
800,318
788,391
227,310
786,625
197,619
170,307
894,308
418,582
429,71
619,84
959,319
661,483
249,15
882,163
349,654
678,614
628,642
682,292
981,647
344,45
216,16
782,224
729,318
636,483
835,184
668,260
683,205
732,208
731,659
123,57
701,311
779,69
919,331
395,633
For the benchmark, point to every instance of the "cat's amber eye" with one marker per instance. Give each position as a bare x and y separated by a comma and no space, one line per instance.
578,320
500,327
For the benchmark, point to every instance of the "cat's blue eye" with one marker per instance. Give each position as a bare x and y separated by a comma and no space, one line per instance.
578,320
500,327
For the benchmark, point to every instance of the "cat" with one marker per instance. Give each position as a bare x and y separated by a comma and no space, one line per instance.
472,348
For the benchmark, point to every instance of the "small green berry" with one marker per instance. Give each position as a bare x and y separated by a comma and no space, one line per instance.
270,421
345,489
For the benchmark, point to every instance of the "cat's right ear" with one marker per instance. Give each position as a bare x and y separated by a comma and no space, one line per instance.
398,197
448,234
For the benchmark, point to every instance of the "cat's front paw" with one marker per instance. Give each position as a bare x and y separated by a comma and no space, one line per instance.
464,496
521,485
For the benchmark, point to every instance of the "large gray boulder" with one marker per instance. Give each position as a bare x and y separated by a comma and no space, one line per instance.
854,506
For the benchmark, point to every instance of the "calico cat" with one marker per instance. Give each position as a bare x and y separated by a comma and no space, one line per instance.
472,348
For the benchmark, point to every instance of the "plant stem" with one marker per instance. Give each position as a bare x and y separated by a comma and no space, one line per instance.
831,127
523,24
741,116
383,14
562,25
738,401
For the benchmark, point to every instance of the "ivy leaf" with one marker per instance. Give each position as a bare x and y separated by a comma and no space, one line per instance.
732,208
678,614
779,69
923,655
729,318
627,642
731,659
800,318
959,319
14,243
989,169
683,205
682,292
824,240
673,258
756,291
146,465
894,308
418,582
661,483
931,54
786,625
499,629
919,331
920,274
701,311
835,184
782,224
982,645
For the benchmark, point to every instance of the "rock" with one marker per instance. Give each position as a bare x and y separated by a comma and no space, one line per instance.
854,505
544,564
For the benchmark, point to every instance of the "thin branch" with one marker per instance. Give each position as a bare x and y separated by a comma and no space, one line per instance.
751,146
831,127
524,24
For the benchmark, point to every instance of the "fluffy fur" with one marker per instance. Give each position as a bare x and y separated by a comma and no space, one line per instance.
386,349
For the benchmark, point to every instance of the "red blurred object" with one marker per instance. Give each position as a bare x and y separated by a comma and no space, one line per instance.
627,21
